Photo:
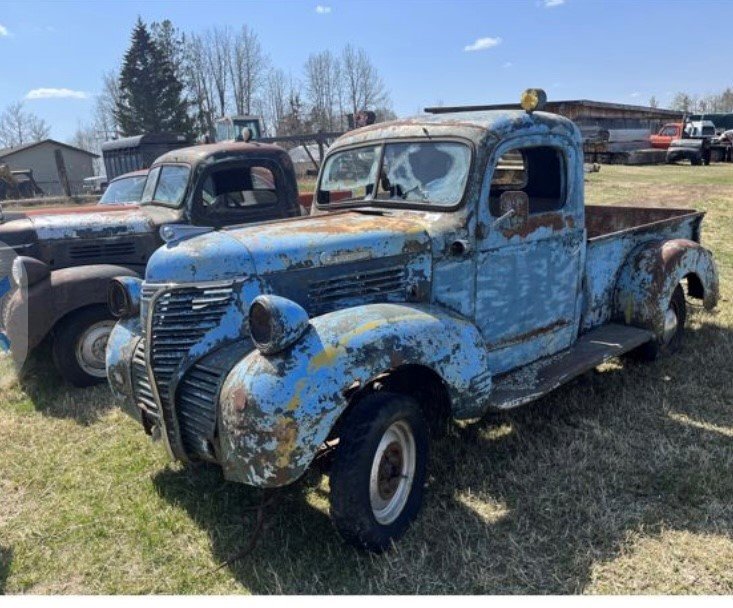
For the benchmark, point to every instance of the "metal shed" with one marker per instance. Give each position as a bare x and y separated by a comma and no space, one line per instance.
42,158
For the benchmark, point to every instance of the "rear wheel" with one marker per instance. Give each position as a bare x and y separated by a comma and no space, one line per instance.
670,339
379,468
80,344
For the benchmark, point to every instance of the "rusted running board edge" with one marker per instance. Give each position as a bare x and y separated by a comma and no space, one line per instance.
539,378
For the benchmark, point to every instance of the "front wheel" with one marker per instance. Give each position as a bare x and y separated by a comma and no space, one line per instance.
80,343
378,473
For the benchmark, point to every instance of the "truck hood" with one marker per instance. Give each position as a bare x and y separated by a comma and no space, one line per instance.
26,229
77,225
287,245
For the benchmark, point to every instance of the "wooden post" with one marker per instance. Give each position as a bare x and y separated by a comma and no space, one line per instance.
61,169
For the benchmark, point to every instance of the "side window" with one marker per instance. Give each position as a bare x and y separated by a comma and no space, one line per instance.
538,171
669,131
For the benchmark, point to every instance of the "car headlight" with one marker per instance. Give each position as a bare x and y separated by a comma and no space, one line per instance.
276,323
123,296
27,271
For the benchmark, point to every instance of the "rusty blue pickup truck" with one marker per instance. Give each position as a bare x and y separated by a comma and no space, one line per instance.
462,273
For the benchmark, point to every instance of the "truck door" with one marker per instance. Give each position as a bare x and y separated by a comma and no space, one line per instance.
529,254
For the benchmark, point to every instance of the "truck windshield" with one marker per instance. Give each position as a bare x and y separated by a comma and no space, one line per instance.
166,185
124,190
430,173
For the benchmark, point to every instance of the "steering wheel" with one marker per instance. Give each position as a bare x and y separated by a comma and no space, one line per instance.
424,193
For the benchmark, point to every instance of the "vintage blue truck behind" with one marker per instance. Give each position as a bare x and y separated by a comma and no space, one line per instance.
463,273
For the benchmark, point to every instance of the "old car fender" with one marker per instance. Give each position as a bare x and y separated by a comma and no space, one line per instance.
277,410
650,274
35,313
121,346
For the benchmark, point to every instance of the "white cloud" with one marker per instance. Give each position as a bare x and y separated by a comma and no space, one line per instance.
507,64
634,94
553,3
49,93
482,44
3,31
323,9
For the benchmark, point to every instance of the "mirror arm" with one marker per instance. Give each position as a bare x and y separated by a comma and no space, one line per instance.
502,218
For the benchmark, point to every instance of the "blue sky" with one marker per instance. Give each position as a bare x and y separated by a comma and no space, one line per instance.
454,52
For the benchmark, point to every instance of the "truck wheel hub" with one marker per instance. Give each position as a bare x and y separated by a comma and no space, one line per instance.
392,473
91,347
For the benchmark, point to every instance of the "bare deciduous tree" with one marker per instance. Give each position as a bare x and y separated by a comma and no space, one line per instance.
364,88
200,83
19,127
324,89
88,137
247,68
275,100
104,111
216,47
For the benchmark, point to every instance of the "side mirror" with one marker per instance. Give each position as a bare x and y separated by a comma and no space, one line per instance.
514,206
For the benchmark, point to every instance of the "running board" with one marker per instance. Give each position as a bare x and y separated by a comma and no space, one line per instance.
539,378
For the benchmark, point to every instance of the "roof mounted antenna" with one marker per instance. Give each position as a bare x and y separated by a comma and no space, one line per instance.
425,130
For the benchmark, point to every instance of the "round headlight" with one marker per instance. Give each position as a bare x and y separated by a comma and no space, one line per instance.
123,296
276,323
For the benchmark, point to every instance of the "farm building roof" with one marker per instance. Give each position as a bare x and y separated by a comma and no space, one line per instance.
4,152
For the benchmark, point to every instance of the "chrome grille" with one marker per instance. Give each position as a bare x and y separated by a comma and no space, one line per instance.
146,294
368,284
182,317
196,408
141,383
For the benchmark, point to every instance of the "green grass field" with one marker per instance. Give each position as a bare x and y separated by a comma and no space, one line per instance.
618,483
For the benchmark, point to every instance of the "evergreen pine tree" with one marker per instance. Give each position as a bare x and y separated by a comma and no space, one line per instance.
150,93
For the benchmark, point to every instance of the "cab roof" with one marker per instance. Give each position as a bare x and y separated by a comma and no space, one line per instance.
204,153
475,126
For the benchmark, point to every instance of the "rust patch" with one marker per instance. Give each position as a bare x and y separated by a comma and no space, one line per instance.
554,221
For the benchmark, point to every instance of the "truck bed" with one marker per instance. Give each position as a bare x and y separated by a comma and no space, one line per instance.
604,221
613,233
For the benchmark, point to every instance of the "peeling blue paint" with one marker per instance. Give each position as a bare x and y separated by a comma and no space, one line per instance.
388,288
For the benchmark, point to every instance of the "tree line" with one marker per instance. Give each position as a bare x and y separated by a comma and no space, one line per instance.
716,103
171,80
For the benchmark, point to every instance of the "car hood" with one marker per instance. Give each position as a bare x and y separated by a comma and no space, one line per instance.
286,245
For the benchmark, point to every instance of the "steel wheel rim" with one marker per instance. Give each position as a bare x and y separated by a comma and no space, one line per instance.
671,323
392,473
91,348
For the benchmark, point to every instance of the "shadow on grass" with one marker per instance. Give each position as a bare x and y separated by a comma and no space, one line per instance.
6,557
51,395
528,501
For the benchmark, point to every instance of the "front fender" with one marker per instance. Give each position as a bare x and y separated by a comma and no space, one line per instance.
277,410
650,275
121,347
31,315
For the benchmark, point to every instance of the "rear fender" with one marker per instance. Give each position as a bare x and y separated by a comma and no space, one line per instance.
277,410
650,275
